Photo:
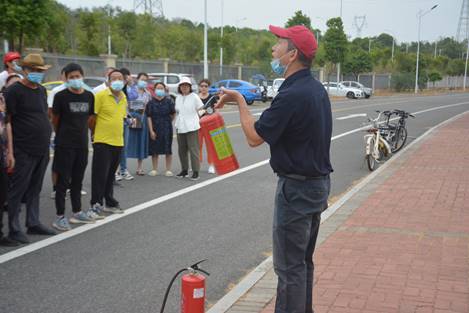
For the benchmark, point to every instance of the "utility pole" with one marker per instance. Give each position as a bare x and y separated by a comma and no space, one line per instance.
221,42
205,41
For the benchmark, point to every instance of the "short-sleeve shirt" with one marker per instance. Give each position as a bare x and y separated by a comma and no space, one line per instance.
187,116
74,111
110,113
27,113
53,92
160,110
298,127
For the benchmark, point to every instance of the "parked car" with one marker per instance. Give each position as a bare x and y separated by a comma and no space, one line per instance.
249,91
368,91
276,85
94,81
171,80
339,90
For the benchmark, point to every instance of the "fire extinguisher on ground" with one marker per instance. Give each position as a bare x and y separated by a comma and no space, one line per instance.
212,127
192,289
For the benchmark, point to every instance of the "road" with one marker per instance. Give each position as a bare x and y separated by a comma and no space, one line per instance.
124,263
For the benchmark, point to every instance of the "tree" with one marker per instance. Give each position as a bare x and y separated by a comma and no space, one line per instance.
456,67
21,18
434,77
335,42
357,62
299,19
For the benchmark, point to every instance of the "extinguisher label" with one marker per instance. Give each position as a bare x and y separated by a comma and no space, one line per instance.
199,293
222,143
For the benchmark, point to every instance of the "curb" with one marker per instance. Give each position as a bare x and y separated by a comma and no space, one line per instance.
235,294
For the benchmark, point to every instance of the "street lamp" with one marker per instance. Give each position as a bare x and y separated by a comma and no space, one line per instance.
221,42
420,15
393,44
205,41
465,68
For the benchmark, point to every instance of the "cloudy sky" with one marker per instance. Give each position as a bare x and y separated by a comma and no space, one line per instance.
397,17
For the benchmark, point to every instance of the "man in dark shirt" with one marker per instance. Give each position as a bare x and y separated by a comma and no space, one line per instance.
298,127
71,110
26,103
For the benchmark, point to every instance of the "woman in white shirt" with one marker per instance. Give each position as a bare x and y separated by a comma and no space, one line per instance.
187,128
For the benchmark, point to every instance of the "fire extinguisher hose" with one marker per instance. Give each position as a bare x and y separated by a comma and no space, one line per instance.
194,268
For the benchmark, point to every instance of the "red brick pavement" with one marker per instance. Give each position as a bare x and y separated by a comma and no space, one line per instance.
406,248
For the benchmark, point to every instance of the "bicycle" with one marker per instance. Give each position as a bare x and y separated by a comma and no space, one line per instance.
377,147
396,134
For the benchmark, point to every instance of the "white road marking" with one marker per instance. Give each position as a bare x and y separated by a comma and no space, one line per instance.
351,116
76,231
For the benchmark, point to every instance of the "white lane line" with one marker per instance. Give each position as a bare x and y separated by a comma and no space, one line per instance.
257,114
76,231
351,116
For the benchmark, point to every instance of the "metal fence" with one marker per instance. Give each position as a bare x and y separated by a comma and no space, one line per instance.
91,66
448,82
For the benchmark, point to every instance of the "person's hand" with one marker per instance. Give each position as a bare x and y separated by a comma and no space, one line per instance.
227,95
153,135
10,160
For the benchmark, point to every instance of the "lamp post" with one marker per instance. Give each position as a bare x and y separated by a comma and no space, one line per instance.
393,44
420,15
221,42
205,41
465,68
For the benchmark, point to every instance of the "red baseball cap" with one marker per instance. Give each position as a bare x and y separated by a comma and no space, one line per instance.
11,56
301,37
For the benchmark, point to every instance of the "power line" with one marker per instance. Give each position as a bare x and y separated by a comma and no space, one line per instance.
463,25
152,7
359,22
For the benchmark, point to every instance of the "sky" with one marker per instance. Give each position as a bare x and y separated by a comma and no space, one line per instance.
395,17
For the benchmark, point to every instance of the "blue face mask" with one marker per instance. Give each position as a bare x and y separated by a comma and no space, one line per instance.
117,85
277,67
76,84
142,84
16,67
160,93
36,77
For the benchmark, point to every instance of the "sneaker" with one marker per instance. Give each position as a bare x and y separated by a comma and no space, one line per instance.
195,176
95,212
7,242
52,195
84,193
211,169
61,223
126,175
81,218
168,174
153,173
118,177
113,209
182,174
19,236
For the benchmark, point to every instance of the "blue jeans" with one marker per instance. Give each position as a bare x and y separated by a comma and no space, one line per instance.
123,160
297,215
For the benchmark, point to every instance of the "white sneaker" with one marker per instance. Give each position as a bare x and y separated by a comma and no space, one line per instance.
211,169
83,193
126,175
168,174
52,195
118,177
153,173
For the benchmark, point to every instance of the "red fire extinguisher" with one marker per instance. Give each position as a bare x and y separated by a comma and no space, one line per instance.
192,289
218,142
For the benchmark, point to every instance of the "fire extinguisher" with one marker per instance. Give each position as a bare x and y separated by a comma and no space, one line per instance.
212,126
192,289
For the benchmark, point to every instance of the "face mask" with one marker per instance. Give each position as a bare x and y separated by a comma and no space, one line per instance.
16,67
160,93
142,84
277,67
36,77
117,85
76,84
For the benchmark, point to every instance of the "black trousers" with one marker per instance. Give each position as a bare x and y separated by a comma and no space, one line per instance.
105,162
3,194
70,165
26,183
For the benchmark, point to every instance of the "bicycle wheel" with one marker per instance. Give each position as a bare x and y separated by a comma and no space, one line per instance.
370,160
400,140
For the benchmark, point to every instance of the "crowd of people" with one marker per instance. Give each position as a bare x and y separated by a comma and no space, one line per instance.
123,118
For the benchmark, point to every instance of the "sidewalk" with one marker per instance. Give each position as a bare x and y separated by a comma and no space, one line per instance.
400,244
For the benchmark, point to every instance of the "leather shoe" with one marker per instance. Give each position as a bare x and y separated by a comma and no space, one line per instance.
18,237
40,230
7,242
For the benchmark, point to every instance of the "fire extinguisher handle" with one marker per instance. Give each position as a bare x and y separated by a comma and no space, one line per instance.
205,272
195,267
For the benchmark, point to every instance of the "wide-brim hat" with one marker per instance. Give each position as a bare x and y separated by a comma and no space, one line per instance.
35,61
185,80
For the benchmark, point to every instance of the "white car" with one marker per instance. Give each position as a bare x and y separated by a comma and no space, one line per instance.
272,93
368,91
340,90
172,80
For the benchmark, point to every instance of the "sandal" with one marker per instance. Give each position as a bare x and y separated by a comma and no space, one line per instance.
140,173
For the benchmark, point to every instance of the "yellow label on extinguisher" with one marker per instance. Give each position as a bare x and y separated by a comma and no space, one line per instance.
222,143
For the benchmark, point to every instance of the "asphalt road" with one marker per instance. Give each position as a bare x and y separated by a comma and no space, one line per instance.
125,265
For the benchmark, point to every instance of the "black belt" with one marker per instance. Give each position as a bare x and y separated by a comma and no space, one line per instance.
301,177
